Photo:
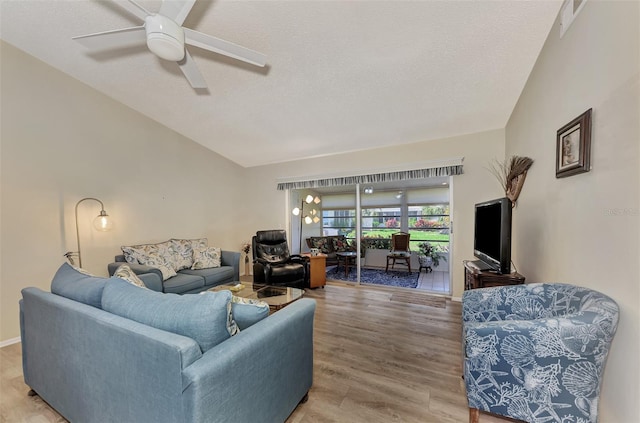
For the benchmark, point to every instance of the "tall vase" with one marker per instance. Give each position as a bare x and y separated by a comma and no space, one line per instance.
246,265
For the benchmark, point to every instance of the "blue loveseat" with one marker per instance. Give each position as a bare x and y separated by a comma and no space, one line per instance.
103,350
169,266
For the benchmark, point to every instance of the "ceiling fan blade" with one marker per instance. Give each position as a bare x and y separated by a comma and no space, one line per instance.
113,39
134,8
191,71
207,42
176,9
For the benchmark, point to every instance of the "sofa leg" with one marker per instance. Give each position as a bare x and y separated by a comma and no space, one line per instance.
32,393
474,415
304,399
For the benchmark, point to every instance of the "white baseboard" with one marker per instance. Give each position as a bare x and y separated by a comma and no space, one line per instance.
9,342
456,299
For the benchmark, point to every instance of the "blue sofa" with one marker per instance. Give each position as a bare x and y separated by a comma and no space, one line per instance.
186,281
167,266
96,365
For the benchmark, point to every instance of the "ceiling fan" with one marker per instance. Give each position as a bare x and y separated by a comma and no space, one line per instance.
166,38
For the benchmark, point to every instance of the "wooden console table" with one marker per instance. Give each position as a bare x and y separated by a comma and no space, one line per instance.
317,270
474,277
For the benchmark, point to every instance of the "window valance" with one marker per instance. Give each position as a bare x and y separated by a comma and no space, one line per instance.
370,178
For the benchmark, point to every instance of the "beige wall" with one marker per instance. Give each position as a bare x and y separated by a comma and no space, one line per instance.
584,229
62,141
475,185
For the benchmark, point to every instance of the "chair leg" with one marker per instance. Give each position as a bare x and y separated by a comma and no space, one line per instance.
474,415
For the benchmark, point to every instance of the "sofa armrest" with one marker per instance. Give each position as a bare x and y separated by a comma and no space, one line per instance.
232,258
260,374
138,269
151,276
152,281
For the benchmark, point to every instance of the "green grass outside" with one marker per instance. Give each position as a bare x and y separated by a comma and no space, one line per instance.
417,237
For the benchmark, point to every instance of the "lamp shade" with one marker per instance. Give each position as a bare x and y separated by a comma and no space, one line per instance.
103,222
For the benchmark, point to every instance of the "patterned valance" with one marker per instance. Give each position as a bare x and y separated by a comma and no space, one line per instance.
402,175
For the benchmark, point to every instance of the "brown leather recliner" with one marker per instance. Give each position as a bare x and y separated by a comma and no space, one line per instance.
272,263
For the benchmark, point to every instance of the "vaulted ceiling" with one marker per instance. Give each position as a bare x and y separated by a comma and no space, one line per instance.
341,75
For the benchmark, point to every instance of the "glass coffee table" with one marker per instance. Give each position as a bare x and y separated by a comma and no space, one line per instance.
276,296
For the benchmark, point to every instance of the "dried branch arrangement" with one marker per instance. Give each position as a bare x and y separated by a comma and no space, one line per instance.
511,174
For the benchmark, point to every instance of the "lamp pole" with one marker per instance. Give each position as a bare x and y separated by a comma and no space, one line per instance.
102,222
300,212
301,218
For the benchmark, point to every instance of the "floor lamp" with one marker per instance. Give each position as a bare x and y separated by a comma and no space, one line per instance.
299,211
102,223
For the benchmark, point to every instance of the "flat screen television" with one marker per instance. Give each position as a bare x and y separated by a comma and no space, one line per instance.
492,238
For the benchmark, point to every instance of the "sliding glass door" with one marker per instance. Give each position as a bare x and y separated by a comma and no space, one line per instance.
362,219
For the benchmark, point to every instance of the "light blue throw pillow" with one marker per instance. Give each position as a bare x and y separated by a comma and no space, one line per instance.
247,311
203,318
72,283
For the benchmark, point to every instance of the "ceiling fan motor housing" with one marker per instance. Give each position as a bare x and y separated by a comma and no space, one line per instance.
165,38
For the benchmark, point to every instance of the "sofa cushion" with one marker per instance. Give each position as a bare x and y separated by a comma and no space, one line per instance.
340,244
320,242
205,258
125,273
183,282
183,250
213,276
206,318
78,285
247,311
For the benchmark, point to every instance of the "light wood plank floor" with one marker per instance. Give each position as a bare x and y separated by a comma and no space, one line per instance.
375,360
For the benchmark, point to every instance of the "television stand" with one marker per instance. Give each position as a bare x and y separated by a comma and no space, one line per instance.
477,277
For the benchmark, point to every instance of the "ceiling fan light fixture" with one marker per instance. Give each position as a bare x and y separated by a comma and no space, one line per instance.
165,38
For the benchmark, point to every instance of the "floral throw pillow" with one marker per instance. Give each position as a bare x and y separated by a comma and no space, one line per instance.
205,258
125,272
183,251
133,253
321,244
340,244
159,255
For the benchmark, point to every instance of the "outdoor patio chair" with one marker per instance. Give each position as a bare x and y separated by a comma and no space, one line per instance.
399,250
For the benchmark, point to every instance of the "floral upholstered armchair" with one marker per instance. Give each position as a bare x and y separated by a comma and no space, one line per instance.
536,352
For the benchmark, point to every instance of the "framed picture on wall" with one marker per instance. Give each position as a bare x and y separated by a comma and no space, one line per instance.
573,146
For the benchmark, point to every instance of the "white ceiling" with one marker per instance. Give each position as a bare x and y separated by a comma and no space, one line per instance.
341,75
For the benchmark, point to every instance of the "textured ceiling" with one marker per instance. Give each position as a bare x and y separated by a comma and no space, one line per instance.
341,75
